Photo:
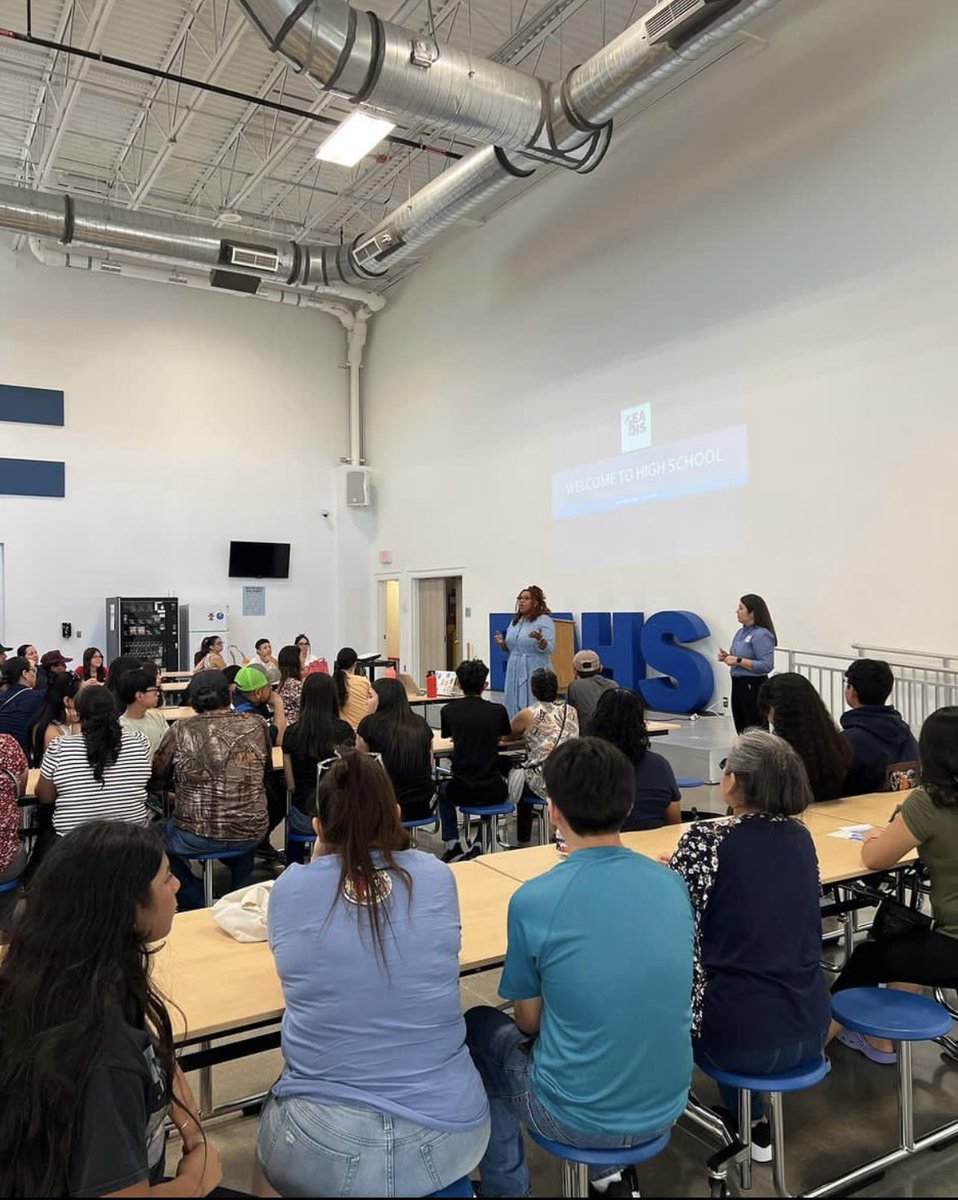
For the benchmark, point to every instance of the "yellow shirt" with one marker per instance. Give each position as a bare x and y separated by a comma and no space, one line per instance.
357,700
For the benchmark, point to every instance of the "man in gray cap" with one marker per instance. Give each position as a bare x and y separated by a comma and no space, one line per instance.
588,685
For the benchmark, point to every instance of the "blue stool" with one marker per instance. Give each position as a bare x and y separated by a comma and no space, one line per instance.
576,1160
298,839
540,815
207,860
689,781
740,1151
462,1187
901,1017
489,823
10,885
421,823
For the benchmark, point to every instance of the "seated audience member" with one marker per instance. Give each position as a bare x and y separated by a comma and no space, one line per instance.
366,942
588,686
217,762
21,701
308,660
3,653
759,1002
795,711
404,741
118,668
318,735
263,660
29,652
87,1069
927,821
619,718
251,693
52,664
354,690
290,682
57,715
101,774
92,666
599,1053
476,727
209,657
544,725
13,782
139,697
878,735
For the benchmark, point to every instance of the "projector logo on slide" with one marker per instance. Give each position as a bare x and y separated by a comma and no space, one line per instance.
635,427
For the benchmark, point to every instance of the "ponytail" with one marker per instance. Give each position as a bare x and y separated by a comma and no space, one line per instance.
100,727
345,660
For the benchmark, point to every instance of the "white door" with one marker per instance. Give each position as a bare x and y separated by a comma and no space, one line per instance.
432,627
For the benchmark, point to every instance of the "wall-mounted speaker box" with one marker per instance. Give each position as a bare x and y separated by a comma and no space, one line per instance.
357,487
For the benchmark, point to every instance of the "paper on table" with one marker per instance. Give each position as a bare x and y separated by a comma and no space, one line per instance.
851,833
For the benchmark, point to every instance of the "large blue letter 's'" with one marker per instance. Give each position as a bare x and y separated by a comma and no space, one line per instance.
616,638
687,681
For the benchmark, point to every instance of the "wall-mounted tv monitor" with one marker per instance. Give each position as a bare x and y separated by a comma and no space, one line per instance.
259,560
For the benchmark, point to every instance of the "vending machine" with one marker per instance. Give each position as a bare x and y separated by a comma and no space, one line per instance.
199,621
145,627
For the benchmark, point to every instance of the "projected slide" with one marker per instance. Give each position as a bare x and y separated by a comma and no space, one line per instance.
658,478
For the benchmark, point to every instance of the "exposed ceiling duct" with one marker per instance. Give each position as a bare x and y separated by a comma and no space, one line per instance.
528,121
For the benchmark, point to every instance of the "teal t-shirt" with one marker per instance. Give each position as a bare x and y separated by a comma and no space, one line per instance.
605,938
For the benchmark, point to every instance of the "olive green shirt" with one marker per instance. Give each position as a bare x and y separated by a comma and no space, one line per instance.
936,829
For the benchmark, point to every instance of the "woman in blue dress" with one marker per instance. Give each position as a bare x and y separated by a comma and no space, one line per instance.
529,641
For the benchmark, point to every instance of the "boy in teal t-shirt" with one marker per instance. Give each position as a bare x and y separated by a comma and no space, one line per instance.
599,965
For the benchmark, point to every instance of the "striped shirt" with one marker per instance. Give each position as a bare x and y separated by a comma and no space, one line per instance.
80,798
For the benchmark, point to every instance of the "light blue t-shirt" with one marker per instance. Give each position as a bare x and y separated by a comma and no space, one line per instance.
393,1039
754,642
605,938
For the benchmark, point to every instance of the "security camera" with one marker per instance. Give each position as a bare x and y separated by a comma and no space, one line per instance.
324,512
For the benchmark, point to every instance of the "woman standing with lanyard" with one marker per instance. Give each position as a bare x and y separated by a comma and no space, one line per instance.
528,641
751,659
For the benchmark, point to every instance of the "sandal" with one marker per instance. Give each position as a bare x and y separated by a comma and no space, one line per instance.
856,1041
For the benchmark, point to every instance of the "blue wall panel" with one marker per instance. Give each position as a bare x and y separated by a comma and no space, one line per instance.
33,406
31,477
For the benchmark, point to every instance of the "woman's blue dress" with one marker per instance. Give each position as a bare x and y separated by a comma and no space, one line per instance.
525,656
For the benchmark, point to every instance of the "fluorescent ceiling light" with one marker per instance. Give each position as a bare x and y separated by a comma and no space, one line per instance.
354,138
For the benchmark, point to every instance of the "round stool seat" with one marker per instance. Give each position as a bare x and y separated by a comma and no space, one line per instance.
212,855
784,1081
889,1013
689,781
419,822
533,799
9,885
495,810
602,1158
301,838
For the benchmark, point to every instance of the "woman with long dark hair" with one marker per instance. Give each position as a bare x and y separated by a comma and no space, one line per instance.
404,740
353,690
290,682
209,657
366,942
318,734
87,1073
529,641
58,714
92,666
99,775
619,718
789,705
927,821
750,658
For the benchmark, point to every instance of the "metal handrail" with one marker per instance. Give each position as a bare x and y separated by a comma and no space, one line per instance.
909,653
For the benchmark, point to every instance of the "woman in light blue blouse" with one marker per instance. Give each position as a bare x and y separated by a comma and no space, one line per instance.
529,641
751,658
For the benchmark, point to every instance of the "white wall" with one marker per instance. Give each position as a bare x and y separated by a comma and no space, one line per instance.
191,419
786,220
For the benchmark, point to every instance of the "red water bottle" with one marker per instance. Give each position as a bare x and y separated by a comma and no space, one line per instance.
431,688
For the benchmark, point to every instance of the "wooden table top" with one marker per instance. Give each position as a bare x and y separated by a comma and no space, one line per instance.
176,712
875,808
221,984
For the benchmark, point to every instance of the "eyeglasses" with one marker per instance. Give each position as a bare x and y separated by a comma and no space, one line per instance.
152,689
722,764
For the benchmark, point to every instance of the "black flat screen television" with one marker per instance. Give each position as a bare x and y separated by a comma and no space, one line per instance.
259,560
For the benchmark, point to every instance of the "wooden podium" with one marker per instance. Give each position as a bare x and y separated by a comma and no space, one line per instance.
563,652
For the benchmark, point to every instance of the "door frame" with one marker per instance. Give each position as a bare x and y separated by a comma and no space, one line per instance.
381,578
414,577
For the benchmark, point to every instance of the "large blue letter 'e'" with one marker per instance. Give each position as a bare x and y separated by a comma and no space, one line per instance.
687,681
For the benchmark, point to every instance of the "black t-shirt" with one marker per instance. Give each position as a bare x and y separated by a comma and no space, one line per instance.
475,726
119,1136
655,789
304,765
413,783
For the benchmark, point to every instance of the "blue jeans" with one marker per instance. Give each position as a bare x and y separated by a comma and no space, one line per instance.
758,1062
496,1045
182,842
309,1149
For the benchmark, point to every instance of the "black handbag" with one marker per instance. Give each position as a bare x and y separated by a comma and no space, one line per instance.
895,920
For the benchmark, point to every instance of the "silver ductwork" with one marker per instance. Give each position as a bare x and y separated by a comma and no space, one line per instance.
527,121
